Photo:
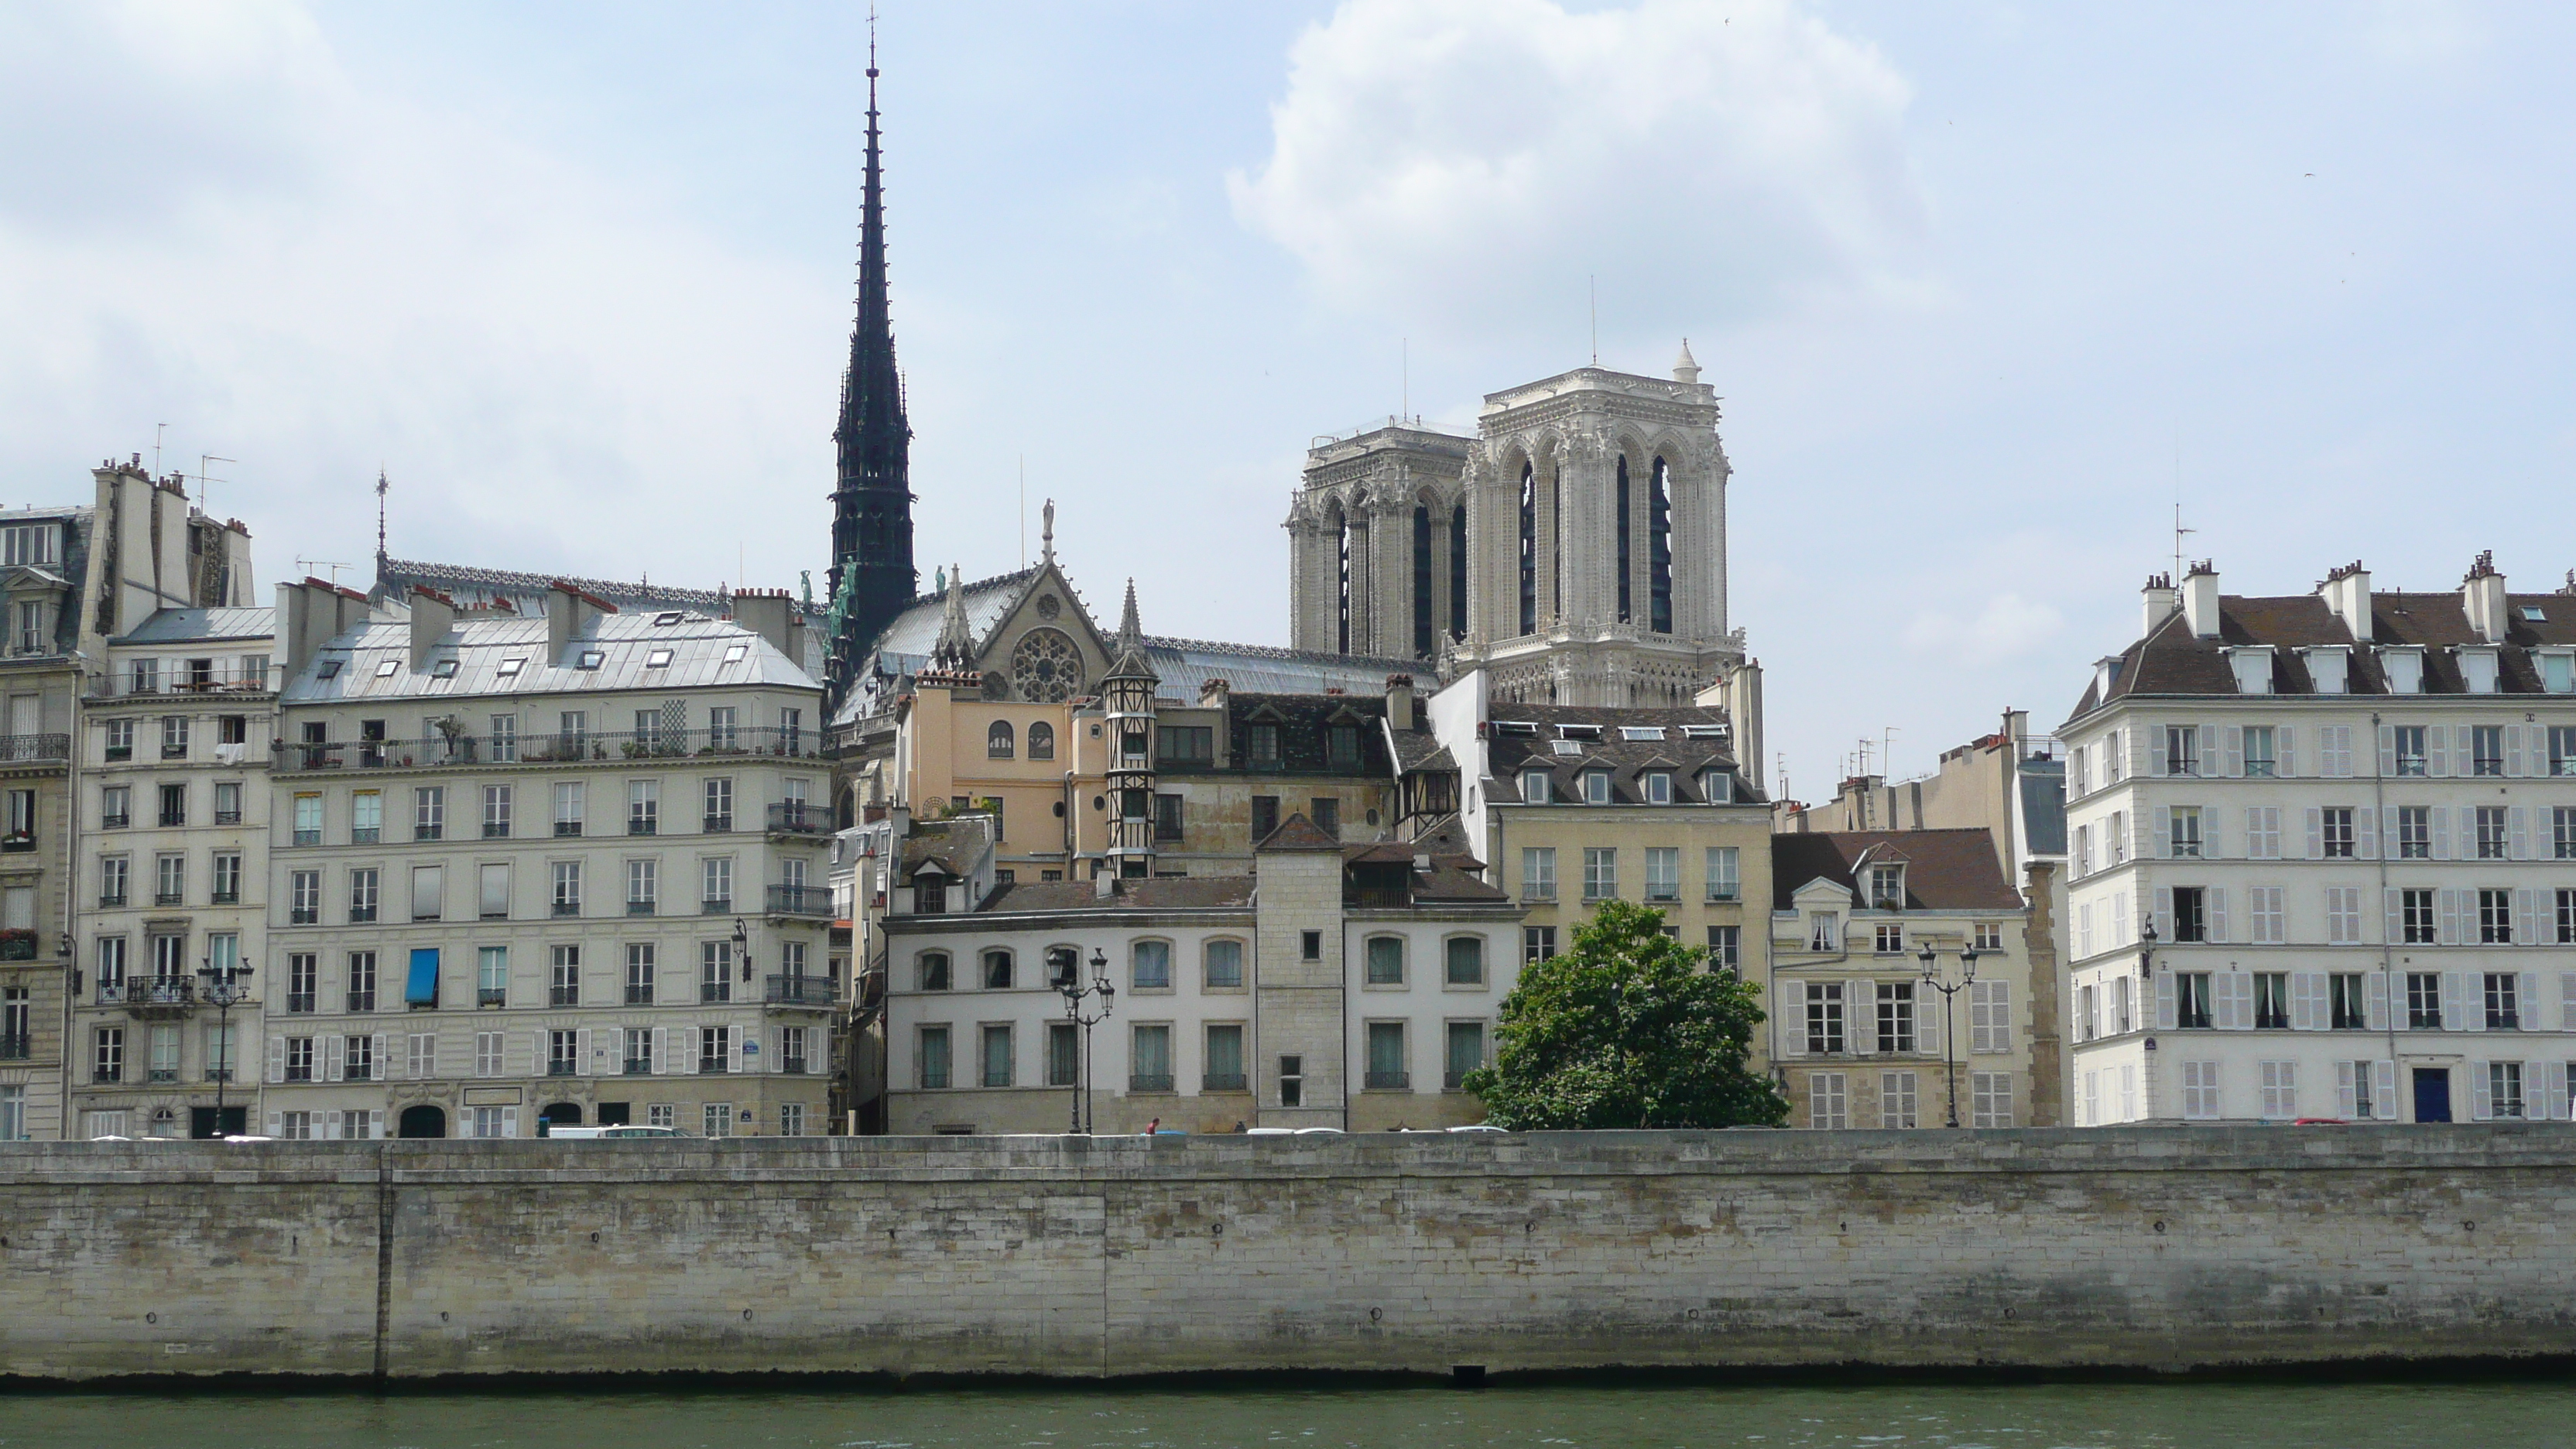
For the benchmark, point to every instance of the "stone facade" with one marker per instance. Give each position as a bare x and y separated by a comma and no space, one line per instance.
2182,1248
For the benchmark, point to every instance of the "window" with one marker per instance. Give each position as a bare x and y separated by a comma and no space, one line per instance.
2423,1000
116,807
1824,1016
2415,917
2504,1004
1896,1096
487,1053
1221,965
1186,744
719,805
362,981
303,980
715,1049
2338,831
2486,748
2504,1089
569,802
1663,873
1465,957
1990,1017
995,1056
1342,748
722,728
1596,787
1825,932
1041,740
420,1053
30,543
120,739
1063,1054
567,887
2495,917
171,880
639,974
2190,913
366,818
2414,832
715,886
1465,1053
174,808
1990,1100
1896,1016
429,812
1726,948
2562,832
2407,743
2344,1002
2280,1089
1600,872
174,737
1538,873
2343,915
1150,966
1385,957
228,802
2182,749
1538,943
1717,787
308,820
1387,1059
1890,940
1167,817
2258,749
2183,832
2191,1000
2272,1000
2566,917
997,970
715,971
505,727
2200,1091
1265,816
107,1055
1656,787
1310,945
563,1053
1827,1109
492,896
1149,1060
112,884
1328,814
2490,821
492,976
1261,746
563,985
2562,741
1534,787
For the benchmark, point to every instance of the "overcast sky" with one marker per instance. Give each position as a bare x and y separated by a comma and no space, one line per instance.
1984,286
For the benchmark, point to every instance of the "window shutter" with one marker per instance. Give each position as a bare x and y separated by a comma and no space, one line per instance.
733,1052
2394,923
2481,1106
2316,833
2526,929
2526,999
2468,831
2518,826
2156,748
2463,751
2374,1002
2383,1091
2449,914
2451,1001
2513,750
2567,1001
276,1060
2164,913
1793,1019
2347,1099
2282,737
2365,829
333,1058
2437,751
2165,1002
661,1050
2164,831
2441,822
2217,913
2209,758
2209,842
1927,1025
376,1058
276,1123
330,1126
581,1063
2235,750
2312,990
2387,750
509,1121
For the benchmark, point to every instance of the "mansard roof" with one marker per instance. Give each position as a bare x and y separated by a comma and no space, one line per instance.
1945,870
396,577
1598,734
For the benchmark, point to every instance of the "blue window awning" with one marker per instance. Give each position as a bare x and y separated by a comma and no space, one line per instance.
421,987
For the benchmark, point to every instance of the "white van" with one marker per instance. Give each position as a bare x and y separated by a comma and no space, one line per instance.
577,1134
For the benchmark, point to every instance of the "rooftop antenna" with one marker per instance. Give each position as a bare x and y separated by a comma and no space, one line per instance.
1887,752
381,487
306,566
157,430
2178,529
1592,287
1024,510
203,492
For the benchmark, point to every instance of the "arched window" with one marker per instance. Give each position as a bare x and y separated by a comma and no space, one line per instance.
1625,563
1422,598
998,743
1041,740
1342,542
1529,549
997,969
934,970
1385,955
1659,555
1458,572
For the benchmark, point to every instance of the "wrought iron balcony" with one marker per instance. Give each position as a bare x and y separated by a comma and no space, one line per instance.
492,996
717,824
562,1068
1149,1081
814,991
711,1065
299,1003
16,1046
483,751
797,817
712,991
639,1066
567,994
119,821
110,901
639,908
813,901
1389,1081
716,906
792,1066
1221,1082
644,825
30,749
362,1001
639,995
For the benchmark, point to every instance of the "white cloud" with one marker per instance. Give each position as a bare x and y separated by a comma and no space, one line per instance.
1445,160
223,229
2008,627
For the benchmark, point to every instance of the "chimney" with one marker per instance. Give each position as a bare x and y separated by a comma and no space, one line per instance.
2347,595
433,617
1213,694
2158,600
311,614
2482,591
568,612
769,613
1399,701
2200,600
1104,884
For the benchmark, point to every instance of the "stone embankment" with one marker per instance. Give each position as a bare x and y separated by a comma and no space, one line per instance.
2161,1249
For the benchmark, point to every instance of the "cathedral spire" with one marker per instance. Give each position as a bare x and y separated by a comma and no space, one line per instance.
872,498
956,646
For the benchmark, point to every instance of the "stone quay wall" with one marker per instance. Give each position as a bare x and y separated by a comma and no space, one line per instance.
2164,1249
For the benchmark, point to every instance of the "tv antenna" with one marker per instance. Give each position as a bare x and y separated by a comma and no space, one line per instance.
307,565
203,492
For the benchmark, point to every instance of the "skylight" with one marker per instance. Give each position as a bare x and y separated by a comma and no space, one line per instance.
509,668
1565,747
2533,614
591,659
1704,732
330,669
658,659
1515,727
666,618
735,653
443,669
385,669
1641,732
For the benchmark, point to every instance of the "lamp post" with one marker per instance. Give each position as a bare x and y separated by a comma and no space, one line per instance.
1949,1047
1069,985
223,988
2147,947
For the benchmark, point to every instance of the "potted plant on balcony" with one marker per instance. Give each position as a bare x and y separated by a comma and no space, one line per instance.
17,945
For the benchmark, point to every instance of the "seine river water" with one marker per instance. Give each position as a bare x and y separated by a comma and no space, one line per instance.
2491,1415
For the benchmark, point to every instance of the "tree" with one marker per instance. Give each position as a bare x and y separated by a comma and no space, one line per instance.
1627,1029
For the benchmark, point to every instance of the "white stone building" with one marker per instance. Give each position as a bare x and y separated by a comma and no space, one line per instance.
2350,819
567,867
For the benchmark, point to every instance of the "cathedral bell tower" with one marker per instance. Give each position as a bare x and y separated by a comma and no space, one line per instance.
872,577
1127,698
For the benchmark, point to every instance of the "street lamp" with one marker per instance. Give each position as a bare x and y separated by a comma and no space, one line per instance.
742,948
2147,947
1069,985
223,988
1949,1047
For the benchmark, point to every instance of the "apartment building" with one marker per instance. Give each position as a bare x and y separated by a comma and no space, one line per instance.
562,870
171,905
2323,856
1904,966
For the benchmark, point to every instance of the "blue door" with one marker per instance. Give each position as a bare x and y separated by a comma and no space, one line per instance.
2432,1094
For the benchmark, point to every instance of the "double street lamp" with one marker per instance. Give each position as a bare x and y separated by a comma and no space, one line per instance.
224,988
1066,963
1949,1045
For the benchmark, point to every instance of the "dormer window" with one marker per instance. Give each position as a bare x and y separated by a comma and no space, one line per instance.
1656,786
657,659
2478,670
2557,671
929,893
2404,668
1596,787
1534,787
1717,787
2326,668
2253,669
1824,931
1887,887
29,543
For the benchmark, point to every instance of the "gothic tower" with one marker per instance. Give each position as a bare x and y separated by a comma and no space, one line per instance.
872,578
1127,694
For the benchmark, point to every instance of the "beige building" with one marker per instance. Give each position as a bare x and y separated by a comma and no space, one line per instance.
1858,1036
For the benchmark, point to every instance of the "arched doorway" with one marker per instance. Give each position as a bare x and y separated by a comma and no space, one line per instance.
421,1122
558,1114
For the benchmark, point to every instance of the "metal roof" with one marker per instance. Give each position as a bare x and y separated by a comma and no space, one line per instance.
1182,665
482,647
194,626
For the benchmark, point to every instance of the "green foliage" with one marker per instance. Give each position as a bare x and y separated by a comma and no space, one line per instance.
1628,1029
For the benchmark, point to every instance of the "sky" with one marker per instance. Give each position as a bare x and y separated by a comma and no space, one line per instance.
1987,289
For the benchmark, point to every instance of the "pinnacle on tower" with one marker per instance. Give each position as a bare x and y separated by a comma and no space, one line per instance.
956,646
1130,662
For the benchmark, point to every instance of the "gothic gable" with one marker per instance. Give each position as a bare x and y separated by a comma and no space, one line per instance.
1044,646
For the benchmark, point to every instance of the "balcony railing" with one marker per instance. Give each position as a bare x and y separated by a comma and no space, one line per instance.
1389,1081
639,908
477,750
360,915
567,908
639,995
169,898
26,749
815,901
1149,1081
160,1076
492,996
228,817
717,824
1221,1082
797,990
716,906
711,991
110,901
119,821
796,817
639,1066
708,1065
1453,1081
648,825
1378,898
225,678
224,898
19,945
358,1072
299,1002
560,1068
568,994
16,1046
567,829
362,1001
104,1075
496,830
303,915
148,991
792,1066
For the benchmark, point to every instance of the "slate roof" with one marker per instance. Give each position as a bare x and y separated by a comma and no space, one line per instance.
952,845
1298,833
1451,879
1685,756
1302,720
202,626
1945,870
395,576
1184,664
1178,893
481,645
2170,660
